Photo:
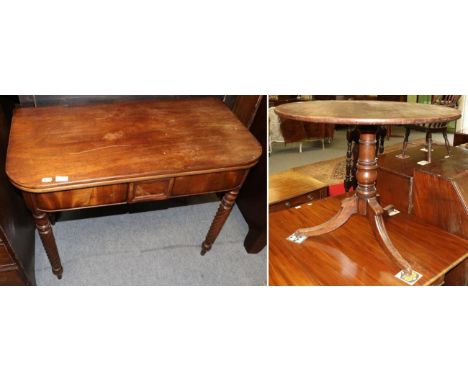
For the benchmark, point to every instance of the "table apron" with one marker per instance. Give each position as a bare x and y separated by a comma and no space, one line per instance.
134,192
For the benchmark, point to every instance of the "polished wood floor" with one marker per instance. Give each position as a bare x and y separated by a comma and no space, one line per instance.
351,255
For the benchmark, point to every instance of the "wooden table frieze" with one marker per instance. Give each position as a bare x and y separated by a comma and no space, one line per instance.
65,158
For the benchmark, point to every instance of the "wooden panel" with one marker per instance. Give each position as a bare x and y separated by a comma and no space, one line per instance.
5,258
351,255
301,199
252,201
441,192
16,223
245,108
438,201
459,139
292,131
85,197
12,277
458,276
395,188
286,185
151,190
395,179
197,184
100,144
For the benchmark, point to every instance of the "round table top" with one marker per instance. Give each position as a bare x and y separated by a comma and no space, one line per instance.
366,112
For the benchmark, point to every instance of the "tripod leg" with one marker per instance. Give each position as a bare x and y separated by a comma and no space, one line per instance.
348,208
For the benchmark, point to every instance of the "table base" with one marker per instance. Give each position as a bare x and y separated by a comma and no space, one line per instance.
364,202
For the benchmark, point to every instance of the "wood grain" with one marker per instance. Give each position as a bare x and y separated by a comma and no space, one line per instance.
351,254
366,112
290,184
441,192
395,179
114,143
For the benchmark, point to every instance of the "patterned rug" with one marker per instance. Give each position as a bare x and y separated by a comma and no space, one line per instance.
333,171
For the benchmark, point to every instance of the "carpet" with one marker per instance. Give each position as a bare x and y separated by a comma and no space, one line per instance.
157,247
333,171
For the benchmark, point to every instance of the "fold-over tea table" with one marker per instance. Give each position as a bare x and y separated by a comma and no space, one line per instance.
65,158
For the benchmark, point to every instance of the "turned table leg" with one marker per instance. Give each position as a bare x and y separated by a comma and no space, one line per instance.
349,160
48,240
220,218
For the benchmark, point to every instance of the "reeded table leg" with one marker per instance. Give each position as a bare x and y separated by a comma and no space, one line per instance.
224,210
48,240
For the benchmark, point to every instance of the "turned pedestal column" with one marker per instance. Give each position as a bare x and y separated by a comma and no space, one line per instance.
364,202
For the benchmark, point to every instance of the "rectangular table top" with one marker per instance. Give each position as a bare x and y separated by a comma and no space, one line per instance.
111,143
351,255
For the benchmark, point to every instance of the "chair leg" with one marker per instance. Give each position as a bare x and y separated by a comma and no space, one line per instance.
323,143
447,144
429,146
405,144
300,147
349,160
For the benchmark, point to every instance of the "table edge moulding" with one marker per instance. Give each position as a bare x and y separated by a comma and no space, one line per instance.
368,115
184,147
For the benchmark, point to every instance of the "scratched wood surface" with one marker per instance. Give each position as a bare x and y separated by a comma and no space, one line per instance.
114,143
351,255
366,112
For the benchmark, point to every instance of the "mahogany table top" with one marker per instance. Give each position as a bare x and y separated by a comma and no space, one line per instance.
112,143
366,112
351,254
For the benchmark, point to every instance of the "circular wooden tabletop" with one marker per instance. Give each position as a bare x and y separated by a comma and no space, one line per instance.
366,112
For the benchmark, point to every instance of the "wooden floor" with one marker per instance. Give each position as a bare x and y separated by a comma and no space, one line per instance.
351,255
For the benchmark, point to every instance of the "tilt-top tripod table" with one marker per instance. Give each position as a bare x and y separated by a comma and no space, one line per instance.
368,116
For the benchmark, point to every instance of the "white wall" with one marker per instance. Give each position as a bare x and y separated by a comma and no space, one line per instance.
462,123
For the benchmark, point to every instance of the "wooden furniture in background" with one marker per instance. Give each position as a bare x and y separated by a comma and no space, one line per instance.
16,224
81,100
459,139
351,255
436,193
441,192
298,131
245,108
430,128
368,115
252,197
293,188
395,181
66,158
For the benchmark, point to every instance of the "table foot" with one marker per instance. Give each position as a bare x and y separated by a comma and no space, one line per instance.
402,156
348,208
220,218
48,241
376,217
